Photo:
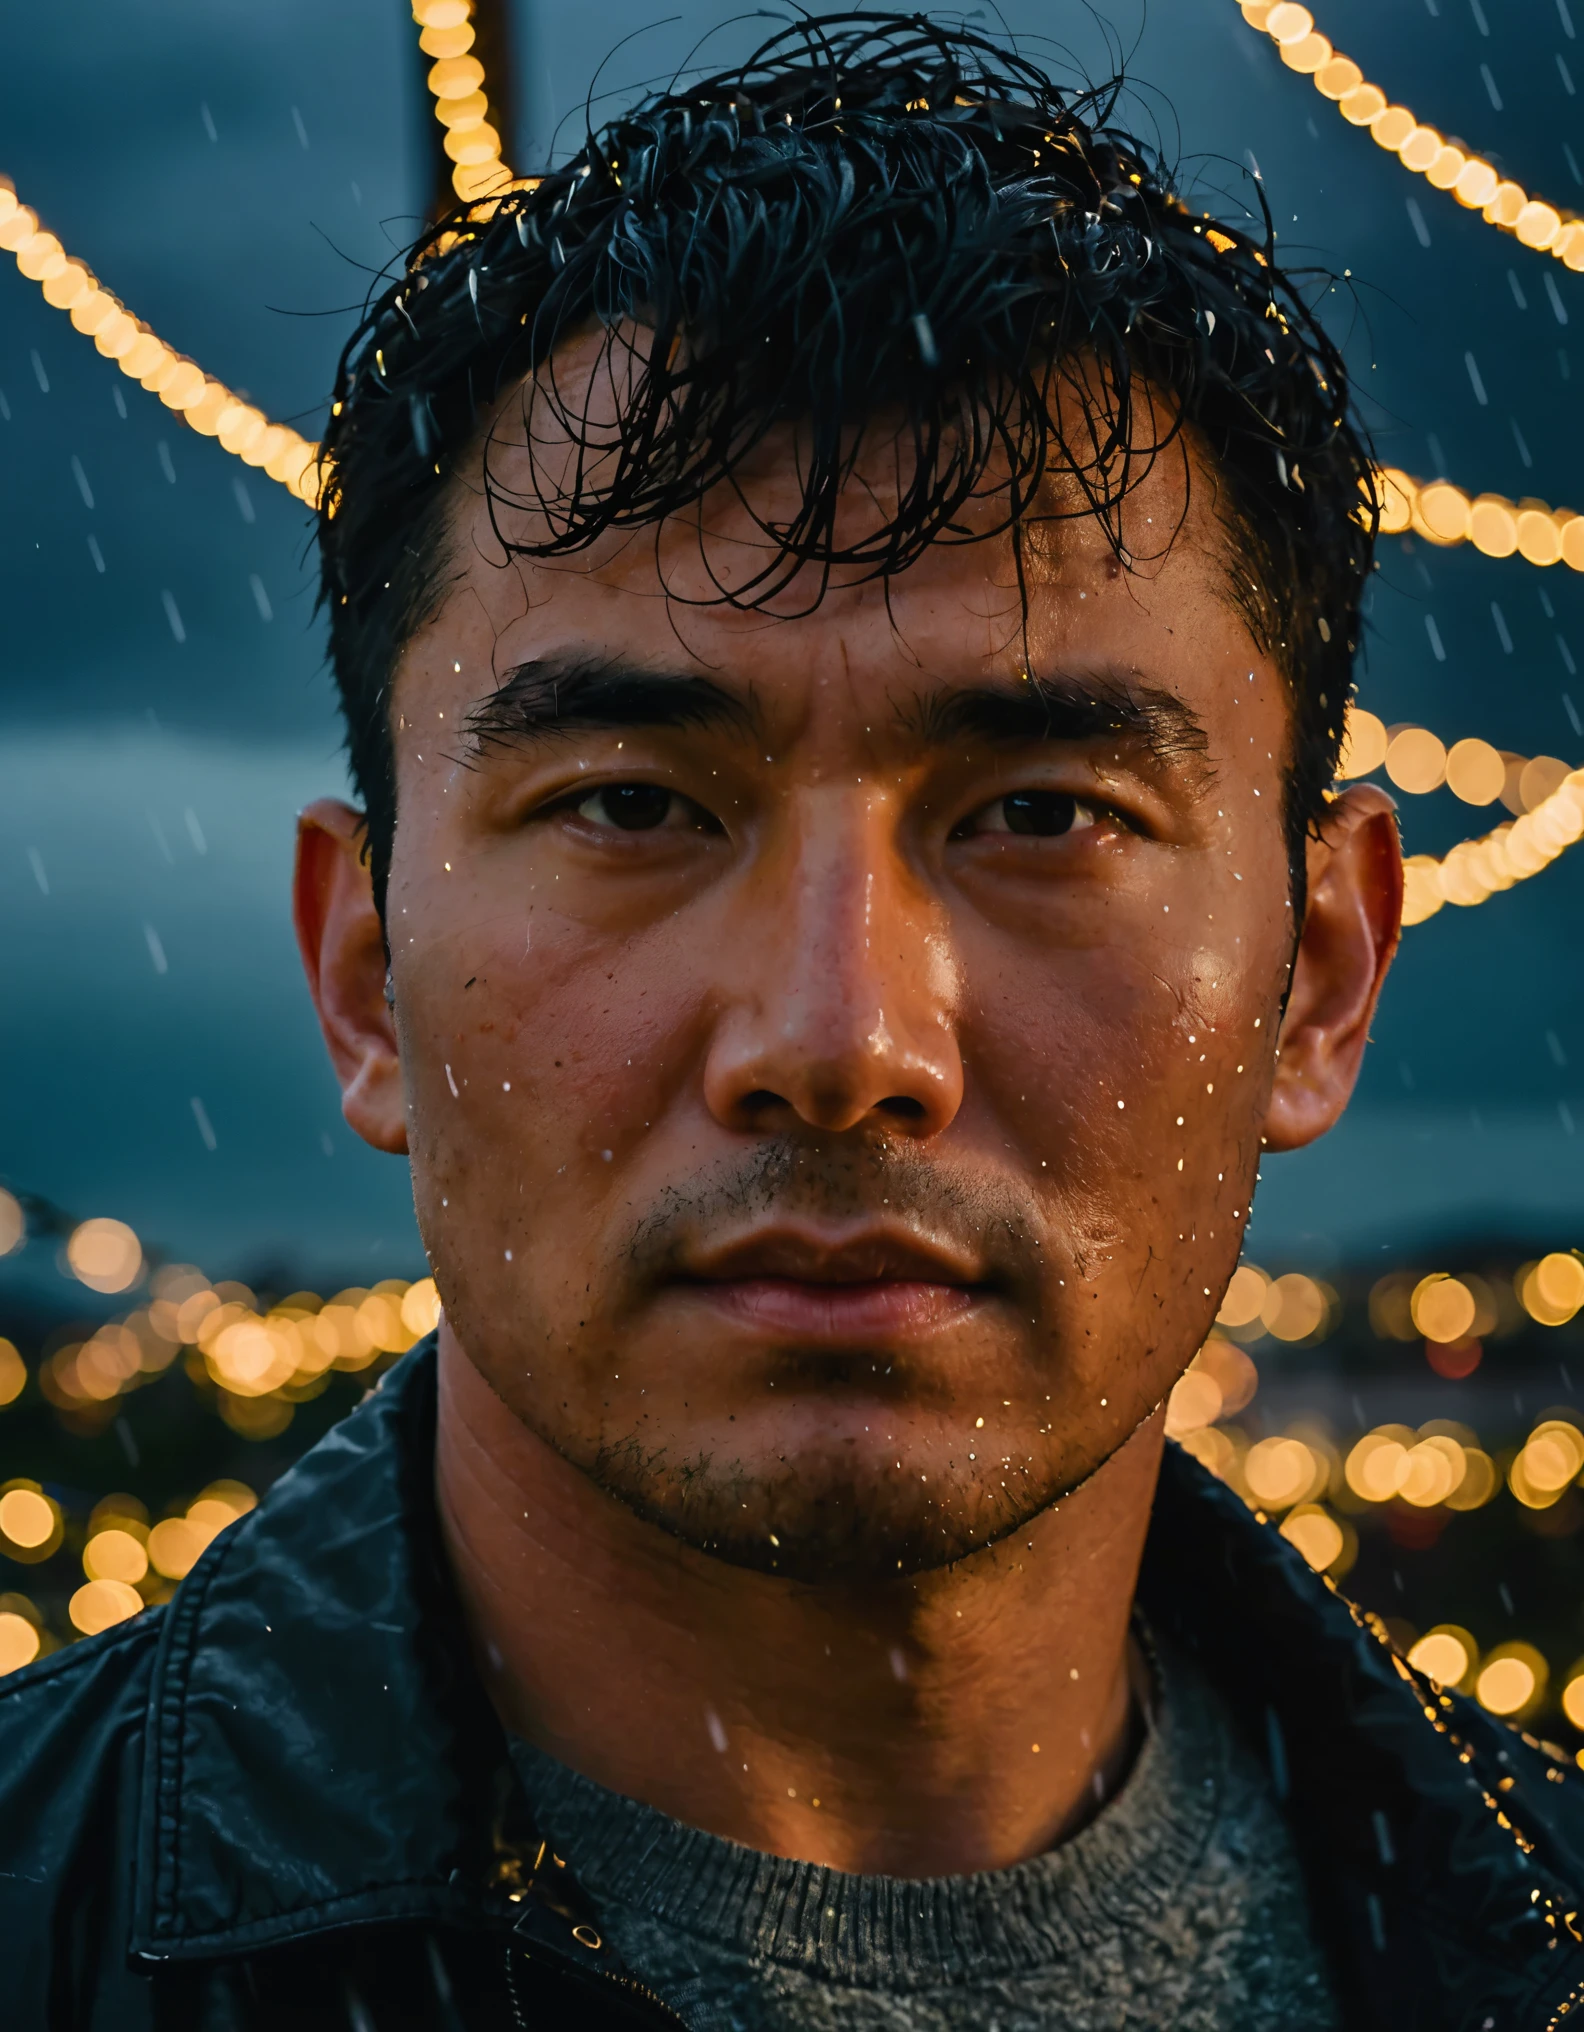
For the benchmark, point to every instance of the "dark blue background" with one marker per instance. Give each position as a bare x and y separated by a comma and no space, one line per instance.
248,251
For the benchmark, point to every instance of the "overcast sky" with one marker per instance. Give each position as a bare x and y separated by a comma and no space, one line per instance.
234,171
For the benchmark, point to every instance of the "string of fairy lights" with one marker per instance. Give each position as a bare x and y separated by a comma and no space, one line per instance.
1475,183
461,103
206,405
1546,821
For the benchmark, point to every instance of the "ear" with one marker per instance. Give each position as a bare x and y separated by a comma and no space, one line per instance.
1350,933
343,954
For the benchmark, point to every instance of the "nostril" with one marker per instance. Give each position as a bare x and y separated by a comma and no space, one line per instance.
904,1106
760,1099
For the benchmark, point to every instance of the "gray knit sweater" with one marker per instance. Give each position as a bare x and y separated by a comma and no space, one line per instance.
1179,1908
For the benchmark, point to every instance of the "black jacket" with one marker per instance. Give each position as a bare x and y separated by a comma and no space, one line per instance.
284,1802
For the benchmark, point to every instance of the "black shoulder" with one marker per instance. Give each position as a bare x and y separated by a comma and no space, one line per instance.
71,1753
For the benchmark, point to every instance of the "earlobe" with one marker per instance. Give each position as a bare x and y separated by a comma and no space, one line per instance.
343,953
1350,933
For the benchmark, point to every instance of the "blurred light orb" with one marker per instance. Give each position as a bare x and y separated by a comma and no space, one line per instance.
1416,761
420,1308
1442,1308
1480,1481
19,1642
1195,1401
1279,1472
1244,1296
1317,1535
1294,1307
1432,1471
1443,1655
100,1603
13,1223
1573,1700
1509,1681
27,1518
1364,744
174,1546
1375,1468
13,1373
1475,772
105,1255
114,1554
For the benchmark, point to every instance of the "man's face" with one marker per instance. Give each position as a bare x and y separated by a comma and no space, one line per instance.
834,1062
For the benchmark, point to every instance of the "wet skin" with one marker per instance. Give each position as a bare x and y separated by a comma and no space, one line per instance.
835,1067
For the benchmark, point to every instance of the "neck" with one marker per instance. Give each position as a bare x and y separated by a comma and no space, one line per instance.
886,1728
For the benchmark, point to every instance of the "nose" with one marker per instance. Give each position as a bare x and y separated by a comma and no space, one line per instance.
840,1004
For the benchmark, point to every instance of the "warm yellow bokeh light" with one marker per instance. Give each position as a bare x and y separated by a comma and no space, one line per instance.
13,1223
1432,1471
1364,741
1317,1535
27,1518
1443,1655
420,1308
1294,1307
99,1603
19,1642
115,1554
1195,1401
1416,760
1508,1682
13,1373
1279,1472
1442,1308
1480,1481
1573,1700
105,1255
1475,772
1375,1468
174,1546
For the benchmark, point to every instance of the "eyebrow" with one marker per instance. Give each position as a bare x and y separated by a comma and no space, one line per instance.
1067,708
557,695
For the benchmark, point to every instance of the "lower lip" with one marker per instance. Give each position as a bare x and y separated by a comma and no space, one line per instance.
881,1310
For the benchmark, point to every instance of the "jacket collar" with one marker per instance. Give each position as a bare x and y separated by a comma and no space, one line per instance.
320,1752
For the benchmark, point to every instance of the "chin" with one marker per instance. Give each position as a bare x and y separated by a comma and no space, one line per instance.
816,1515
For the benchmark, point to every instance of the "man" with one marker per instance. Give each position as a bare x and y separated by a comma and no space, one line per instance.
844,598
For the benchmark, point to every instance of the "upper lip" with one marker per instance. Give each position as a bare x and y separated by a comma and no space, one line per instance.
850,1256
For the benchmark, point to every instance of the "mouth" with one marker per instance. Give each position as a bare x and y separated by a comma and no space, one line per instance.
852,1288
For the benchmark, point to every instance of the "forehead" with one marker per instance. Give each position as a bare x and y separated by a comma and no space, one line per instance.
708,585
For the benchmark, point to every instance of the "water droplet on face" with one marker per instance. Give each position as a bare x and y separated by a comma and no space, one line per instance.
606,1155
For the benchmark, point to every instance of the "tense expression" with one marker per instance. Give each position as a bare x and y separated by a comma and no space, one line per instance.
834,1046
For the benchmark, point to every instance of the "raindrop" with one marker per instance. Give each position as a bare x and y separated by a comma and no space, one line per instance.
156,950
244,499
38,371
261,599
81,478
207,118
205,1126
167,467
36,863
173,614
195,831
96,554
297,122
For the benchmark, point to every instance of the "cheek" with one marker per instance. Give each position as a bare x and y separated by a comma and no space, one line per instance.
533,1047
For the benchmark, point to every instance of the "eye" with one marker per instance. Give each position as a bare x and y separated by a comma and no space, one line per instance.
1039,814
636,807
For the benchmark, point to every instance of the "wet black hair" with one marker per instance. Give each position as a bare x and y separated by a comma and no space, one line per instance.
878,228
